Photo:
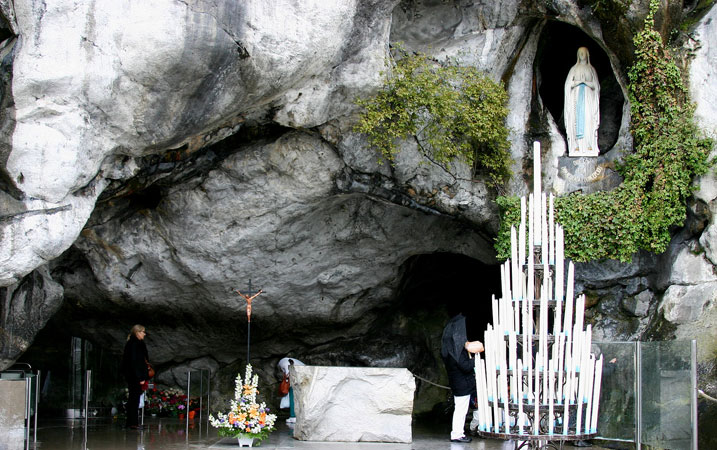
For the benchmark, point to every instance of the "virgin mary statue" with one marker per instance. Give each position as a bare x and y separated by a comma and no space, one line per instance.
582,107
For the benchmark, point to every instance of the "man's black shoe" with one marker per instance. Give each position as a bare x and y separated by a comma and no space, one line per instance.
464,439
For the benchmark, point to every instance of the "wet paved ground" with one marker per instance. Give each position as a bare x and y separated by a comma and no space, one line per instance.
168,433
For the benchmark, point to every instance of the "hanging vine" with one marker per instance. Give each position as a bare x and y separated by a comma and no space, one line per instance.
454,113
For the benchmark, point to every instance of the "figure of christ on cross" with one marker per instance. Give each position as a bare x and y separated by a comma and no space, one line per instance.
248,302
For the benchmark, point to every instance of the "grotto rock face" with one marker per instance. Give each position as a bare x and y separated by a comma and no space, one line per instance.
157,157
91,85
26,307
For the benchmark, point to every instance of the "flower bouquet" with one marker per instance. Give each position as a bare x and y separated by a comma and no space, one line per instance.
246,417
168,402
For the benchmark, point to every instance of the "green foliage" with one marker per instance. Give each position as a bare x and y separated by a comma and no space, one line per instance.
669,150
454,112
609,9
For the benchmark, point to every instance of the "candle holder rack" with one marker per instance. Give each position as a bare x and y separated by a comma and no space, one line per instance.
538,384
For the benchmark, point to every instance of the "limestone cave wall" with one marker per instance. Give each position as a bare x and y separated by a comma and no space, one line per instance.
155,158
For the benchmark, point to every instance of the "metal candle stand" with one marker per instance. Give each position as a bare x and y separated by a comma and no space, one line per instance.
532,381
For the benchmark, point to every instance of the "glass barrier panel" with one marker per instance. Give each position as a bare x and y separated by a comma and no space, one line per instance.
616,416
666,394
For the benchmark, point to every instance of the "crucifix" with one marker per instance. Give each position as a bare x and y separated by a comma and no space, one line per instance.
249,296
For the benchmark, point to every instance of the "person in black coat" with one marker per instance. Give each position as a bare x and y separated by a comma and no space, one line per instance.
134,368
456,352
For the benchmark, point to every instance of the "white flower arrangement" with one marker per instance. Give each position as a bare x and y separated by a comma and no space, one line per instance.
246,416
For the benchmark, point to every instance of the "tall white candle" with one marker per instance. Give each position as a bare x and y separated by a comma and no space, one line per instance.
551,397
596,395
589,392
479,390
503,296
569,368
493,375
544,339
536,405
520,397
536,190
515,267
544,230
579,398
531,223
507,303
559,262
561,366
486,405
529,364
580,311
568,322
566,417
513,349
551,231
577,349
521,234
495,312
524,314
559,283
503,381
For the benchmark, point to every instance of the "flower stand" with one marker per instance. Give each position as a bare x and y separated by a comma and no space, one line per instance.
245,440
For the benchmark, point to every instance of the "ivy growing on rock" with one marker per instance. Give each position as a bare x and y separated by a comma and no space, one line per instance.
454,113
669,151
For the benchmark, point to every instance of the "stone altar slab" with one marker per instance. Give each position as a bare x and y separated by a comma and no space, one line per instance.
352,404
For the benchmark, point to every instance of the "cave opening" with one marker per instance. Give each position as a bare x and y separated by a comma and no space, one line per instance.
449,283
556,54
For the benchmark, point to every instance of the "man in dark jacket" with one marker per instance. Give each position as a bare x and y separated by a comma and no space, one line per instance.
456,352
134,368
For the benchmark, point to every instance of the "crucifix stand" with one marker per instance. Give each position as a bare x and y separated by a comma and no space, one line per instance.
249,296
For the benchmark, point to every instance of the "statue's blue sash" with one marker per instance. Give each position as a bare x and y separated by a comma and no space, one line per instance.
580,112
